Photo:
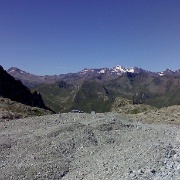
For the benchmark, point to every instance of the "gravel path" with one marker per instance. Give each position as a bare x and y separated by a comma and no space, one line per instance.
84,146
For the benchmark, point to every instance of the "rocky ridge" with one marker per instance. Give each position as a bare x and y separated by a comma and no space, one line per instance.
127,106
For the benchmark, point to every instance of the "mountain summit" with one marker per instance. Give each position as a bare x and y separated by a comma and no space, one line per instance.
120,70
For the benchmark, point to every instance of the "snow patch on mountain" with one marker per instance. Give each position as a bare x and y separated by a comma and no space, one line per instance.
11,70
161,73
117,70
123,69
102,71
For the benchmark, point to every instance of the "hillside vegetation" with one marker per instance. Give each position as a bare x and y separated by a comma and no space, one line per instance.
58,96
98,94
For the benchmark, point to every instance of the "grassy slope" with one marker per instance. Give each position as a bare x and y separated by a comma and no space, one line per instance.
57,98
94,94
155,91
92,97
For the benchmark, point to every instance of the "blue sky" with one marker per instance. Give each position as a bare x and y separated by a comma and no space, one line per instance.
61,36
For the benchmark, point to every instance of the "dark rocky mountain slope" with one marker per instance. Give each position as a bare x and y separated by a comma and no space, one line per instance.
16,91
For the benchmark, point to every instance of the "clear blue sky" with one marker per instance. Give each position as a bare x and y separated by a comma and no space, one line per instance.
61,36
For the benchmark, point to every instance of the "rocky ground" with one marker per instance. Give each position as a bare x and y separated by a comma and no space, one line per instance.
88,146
168,115
10,110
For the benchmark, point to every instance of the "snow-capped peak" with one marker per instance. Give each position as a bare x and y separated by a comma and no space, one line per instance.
122,69
117,70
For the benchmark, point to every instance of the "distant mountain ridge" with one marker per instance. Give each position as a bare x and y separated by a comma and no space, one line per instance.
117,70
120,70
31,80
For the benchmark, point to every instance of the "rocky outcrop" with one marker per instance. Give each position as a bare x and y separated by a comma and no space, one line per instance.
168,115
126,106
145,113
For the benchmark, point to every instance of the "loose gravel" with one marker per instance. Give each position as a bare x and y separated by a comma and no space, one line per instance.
88,146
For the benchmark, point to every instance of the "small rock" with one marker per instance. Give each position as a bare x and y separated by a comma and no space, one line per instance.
171,153
153,171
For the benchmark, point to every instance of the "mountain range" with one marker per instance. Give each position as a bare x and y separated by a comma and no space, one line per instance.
97,89
31,80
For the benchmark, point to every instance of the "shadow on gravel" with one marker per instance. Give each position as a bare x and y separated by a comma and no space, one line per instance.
113,125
